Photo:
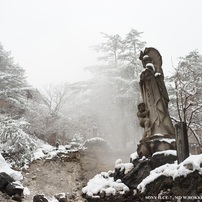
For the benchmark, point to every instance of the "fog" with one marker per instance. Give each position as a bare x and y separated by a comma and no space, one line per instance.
96,101
52,41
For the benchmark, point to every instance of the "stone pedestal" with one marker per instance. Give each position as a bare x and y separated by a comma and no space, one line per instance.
149,145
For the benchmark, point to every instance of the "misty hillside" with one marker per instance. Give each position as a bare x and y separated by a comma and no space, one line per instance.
104,107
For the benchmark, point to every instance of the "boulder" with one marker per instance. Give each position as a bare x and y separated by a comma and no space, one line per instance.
190,185
17,197
142,168
61,197
14,188
135,176
39,198
5,179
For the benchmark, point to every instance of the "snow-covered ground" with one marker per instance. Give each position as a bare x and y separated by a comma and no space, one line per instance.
38,150
103,183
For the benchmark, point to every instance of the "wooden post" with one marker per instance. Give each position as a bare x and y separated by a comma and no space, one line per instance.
181,141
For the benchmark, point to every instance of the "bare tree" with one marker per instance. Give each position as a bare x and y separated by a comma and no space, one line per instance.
186,92
55,97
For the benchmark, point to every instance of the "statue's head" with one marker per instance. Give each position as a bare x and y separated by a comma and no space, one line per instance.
152,56
141,107
145,59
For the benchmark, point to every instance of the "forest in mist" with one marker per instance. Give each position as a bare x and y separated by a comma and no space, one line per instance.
106,102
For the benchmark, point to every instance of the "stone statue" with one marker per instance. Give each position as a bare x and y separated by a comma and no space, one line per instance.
154,93
95,130
153,111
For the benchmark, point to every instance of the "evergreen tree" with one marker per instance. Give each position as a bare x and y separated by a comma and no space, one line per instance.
13,81
132,47
112,49
12,75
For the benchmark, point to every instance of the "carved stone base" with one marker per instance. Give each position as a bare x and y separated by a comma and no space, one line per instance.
149,145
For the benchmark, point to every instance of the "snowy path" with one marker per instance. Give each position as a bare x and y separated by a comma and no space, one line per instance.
53,176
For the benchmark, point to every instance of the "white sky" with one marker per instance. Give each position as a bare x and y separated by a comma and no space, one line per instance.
51,39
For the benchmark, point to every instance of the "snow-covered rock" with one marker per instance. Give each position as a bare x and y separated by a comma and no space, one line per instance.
189,165
5,167
103,184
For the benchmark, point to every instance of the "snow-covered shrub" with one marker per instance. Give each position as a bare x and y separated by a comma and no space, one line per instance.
76,142
96,143
15,143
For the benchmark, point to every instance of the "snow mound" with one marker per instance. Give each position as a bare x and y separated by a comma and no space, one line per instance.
104,184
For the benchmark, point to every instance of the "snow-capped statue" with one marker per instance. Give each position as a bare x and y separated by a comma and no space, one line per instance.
155,97
154,92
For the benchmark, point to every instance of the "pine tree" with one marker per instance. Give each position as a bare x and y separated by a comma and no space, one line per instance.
12,75
132,47
112,49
